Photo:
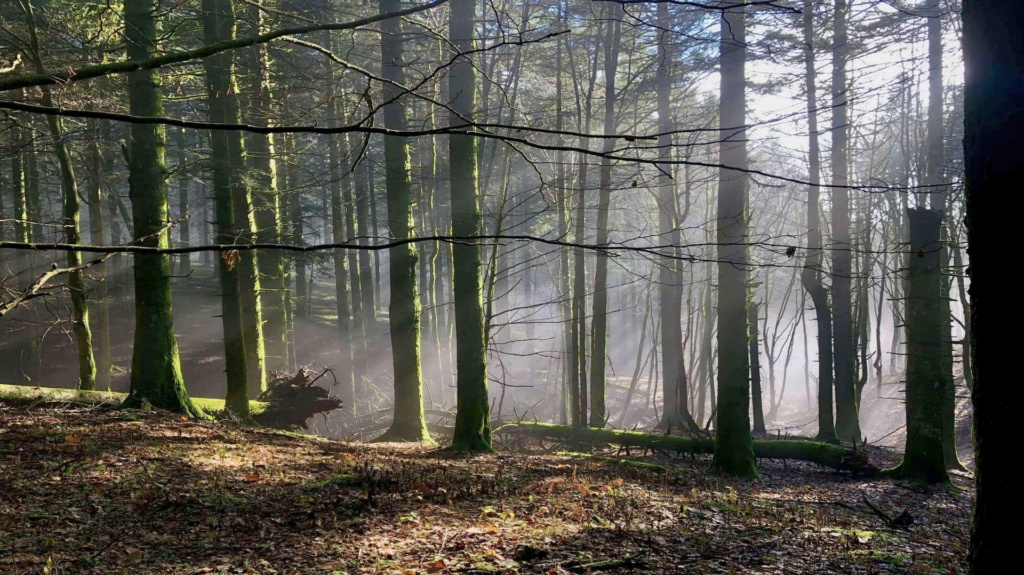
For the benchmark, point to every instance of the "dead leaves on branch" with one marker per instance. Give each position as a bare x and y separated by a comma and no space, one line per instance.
230,258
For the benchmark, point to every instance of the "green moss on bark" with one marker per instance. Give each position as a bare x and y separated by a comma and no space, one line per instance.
156,371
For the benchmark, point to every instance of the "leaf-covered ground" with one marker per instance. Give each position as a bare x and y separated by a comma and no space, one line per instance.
90,490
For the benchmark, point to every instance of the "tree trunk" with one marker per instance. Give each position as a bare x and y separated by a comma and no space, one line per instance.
156,371
357,331
70,221
755,369
228,161
733,452
267,205
847,423
924,459
285,183
19,207
339,178
994,120
472,417
184,176
97,236
675,414
368,304
599,331
939,197
562,199
409,423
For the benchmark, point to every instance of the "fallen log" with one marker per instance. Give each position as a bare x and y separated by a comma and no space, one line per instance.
652,467
824,454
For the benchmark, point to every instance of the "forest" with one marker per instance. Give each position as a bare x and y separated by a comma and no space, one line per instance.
507,286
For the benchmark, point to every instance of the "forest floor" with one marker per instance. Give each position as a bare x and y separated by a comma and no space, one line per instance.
87,489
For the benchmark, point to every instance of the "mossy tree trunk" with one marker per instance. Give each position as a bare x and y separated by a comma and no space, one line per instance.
924,458
228,170
70,220
409,423
260,150
472,416
734,454
156,369
828,455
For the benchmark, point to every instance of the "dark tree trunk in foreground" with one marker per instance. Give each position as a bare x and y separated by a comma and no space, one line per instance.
156,370
994,121
923,459
472,418
734,454
404,309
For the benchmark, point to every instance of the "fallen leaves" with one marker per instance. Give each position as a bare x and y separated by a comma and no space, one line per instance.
169,496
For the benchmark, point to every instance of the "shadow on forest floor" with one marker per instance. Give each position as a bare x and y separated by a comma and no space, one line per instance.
89,490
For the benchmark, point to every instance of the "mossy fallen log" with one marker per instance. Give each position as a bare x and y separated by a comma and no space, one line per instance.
824,454
642,465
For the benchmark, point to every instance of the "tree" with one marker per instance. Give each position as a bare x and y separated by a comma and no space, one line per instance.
673,362
924,459
404,309
734,453
847,421
156,371
810,277
228,156
340,177
98,236
70,220
993,121
939,199
755,368
472,418
257,90
599,333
